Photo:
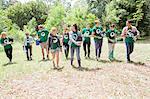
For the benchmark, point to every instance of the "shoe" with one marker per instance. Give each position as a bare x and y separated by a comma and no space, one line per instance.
128,61
10,62
71,62
85,57
79,63
111,59
66,58
80,68
47,57
98,59
54,65
30,58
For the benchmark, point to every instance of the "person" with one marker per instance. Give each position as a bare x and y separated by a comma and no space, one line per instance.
130,34
98,35
86,32
43,37
111,34
65,41
75,41
55,46
28,41
7,43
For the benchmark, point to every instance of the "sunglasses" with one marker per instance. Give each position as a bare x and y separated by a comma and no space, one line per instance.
112,26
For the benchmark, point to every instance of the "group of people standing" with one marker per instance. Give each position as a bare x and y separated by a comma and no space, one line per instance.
71,41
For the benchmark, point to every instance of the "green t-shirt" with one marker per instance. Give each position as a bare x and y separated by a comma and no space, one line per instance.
130,36
66,38
6,41
75,36
86,33
98,32
111,34
54,42
43,35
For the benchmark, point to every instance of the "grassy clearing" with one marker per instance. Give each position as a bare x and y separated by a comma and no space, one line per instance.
117,79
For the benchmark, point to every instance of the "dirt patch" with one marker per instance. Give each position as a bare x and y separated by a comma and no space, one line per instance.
119,81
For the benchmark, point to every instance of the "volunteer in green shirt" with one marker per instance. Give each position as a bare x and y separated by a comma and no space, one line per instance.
65,41
55,46
75,41
112,39
86,33
43,37
6,42
129,34
98,35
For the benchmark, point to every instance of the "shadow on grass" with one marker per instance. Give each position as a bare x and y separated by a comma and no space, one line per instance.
86,68
29,60
90,58
57,69
44,60
140,64
7,64
104,61
118,61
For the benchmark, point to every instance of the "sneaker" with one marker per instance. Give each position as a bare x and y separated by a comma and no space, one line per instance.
80,68
48,57
98,59
30,58
54,65
10,62
72,63
111,59
128,61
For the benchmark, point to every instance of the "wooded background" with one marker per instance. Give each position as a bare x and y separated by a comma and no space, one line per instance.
17,17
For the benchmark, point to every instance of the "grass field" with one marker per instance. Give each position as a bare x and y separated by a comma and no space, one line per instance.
100,80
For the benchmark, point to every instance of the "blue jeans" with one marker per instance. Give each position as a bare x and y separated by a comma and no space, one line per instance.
98,48
129,49
77,49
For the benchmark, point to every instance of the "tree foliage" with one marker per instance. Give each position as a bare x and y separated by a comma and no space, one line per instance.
17,17
21,14
5,23
60,16
55,16
118,11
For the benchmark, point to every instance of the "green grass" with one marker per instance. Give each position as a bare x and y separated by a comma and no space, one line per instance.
115,80
22,67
